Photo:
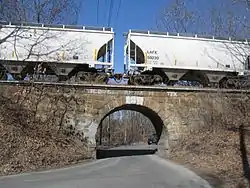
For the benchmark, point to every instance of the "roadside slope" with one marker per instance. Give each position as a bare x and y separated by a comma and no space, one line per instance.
27,143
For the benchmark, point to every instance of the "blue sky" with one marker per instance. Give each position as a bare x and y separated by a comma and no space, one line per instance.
141,15
133,14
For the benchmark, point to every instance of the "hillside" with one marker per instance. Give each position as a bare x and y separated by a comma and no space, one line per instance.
219,150
26,143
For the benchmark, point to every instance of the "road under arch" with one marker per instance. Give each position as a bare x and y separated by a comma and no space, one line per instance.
147,112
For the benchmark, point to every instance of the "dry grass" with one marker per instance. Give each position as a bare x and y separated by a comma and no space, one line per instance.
215,150
27,143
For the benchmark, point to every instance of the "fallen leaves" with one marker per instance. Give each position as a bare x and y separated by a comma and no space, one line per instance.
27,144
215,151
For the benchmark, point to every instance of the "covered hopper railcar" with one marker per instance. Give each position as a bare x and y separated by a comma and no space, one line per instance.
56,52
154,57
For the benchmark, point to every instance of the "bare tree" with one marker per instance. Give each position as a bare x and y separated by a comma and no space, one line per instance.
38,11
224,18
41,11
125,127
176,17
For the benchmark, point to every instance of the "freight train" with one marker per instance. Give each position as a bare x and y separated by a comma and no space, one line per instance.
75,54
56,52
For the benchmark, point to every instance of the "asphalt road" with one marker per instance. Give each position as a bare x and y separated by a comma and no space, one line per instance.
147,171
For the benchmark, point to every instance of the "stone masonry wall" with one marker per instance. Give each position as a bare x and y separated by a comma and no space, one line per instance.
84,108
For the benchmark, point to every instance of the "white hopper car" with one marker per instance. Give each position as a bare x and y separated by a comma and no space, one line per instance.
64,52
153,57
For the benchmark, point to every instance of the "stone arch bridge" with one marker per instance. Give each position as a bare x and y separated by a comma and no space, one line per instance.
172,111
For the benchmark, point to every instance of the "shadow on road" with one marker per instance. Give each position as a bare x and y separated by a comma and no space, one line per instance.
107,153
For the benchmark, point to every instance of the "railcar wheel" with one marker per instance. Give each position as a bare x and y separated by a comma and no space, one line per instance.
245,84
101,78
223,83
232,84
138,80
235,83
158,79
83,77
145,79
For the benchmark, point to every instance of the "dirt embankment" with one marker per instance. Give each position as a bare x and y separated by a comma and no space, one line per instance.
27,143
218,150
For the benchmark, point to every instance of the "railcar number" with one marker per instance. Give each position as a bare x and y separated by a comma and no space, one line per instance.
153,57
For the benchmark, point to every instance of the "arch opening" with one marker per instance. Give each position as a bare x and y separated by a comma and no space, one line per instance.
148,113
